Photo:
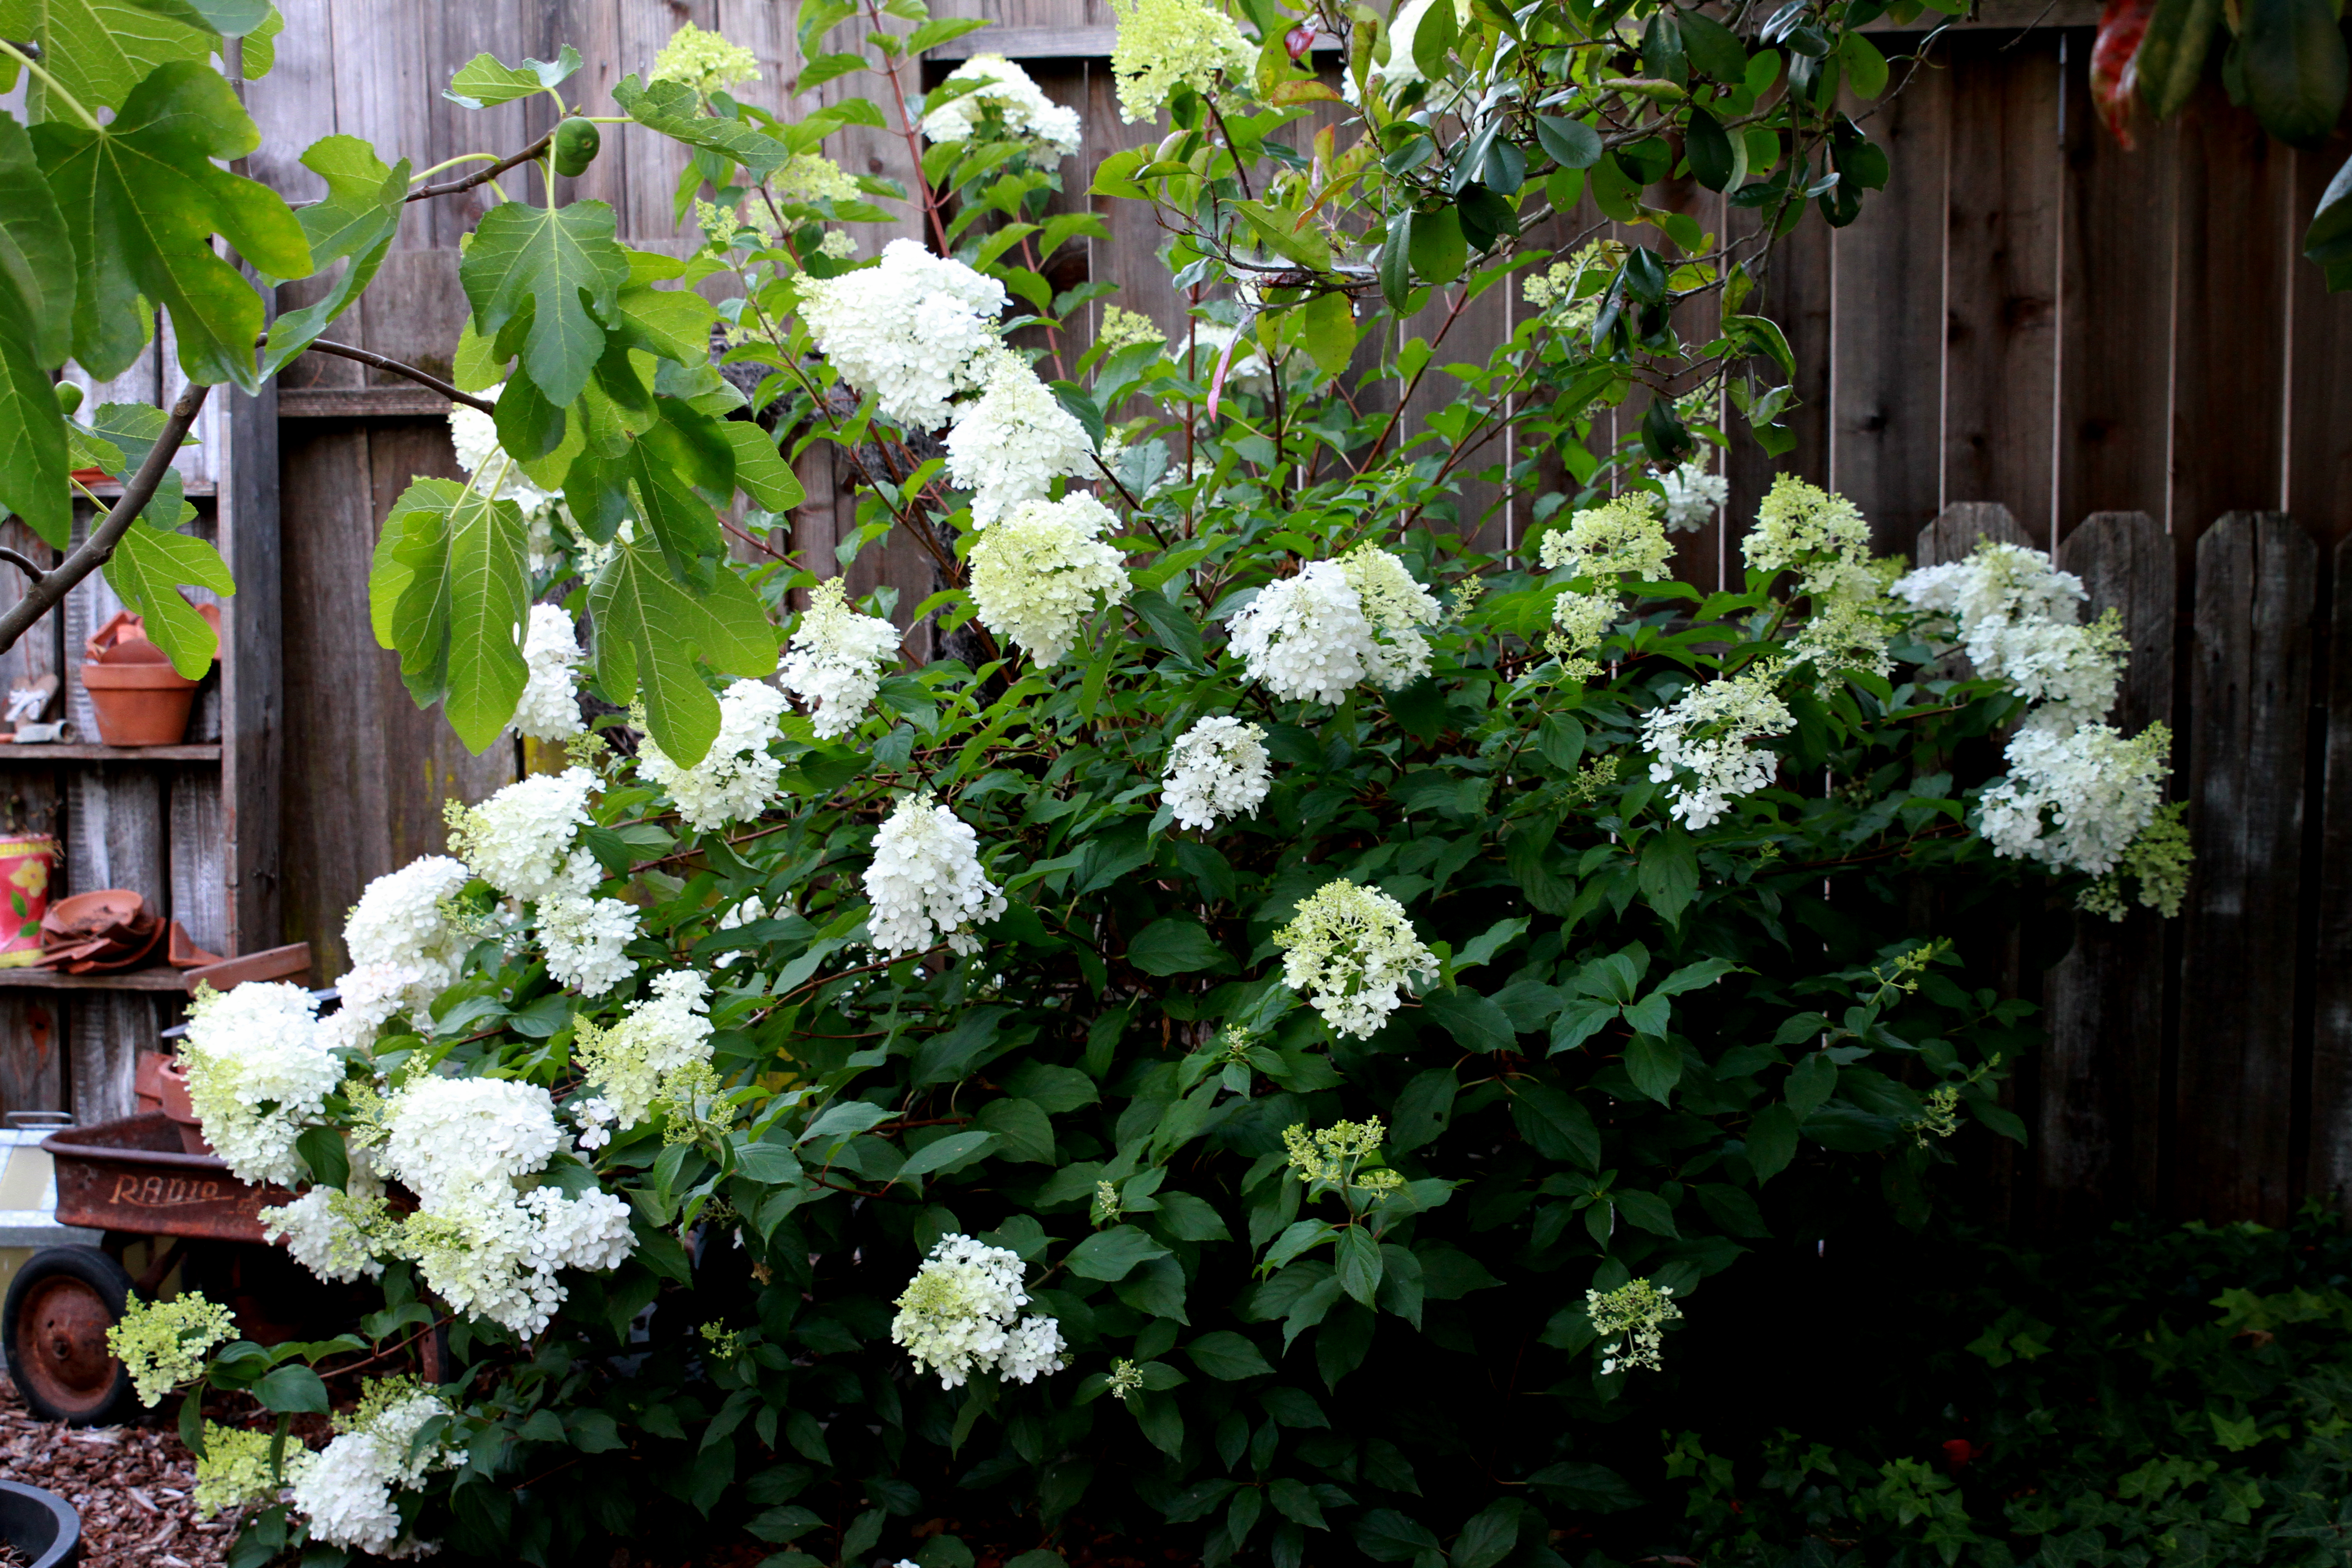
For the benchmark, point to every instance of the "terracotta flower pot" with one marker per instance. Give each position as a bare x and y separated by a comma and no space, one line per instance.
140,698
26,864
173,1079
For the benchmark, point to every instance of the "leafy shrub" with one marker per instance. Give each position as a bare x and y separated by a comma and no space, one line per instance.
1285,1014
2158,1396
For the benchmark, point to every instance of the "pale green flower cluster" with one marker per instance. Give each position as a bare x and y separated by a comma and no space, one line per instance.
806,177
1560,291
1124,328
1824,540
1162,43
1330,1154
1125,1379
235,1472
1035,573
704,61
1637,1311
726,1343
1621,539
163,1344
1352,952
2159,859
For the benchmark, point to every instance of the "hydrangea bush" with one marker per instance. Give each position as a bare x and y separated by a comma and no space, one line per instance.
1289,1006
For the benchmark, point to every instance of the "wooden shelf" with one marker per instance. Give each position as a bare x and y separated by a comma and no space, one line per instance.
193,752
112,490
359,402
164,979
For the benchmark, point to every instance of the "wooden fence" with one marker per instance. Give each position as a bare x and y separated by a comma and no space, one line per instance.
2121,347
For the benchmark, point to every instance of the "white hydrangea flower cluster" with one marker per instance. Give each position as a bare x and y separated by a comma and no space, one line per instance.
1035,573
2100,789
704,61
1304,636
335,1233
1692,496
1709,731
834,660
1636,1315
961,1315
915,331
1216,768
488,1242
517,841
343,1491
637,1063
925,883
2013,612
405,950
1336,625
1823,538
549,710
259,1071
737,777
1022,108
1350,950
1010,445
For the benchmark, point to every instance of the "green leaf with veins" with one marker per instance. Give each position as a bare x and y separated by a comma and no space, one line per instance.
759,469
36,257
98,50
129,430
449,591
32,463
142,199
650,631
673,109
258,56
145,571
357,220
564,267
483,81
672,322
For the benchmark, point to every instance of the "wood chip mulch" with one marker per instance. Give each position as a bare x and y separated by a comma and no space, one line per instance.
131,1483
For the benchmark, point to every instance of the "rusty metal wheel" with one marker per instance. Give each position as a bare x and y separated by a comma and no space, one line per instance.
54,1325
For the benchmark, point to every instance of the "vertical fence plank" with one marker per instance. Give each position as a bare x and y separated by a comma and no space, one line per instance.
2230,310
2319,394
2101,1074
2000,285
1887,344
2330,1166
1958,526
2114,302
2250,682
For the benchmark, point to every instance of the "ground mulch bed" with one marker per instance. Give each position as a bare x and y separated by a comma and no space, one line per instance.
131,1483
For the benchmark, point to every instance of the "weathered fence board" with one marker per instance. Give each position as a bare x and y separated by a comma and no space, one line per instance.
2329,1169
2249,688
2000,289
2101,1074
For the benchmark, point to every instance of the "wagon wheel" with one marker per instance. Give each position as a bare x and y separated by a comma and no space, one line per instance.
59,1307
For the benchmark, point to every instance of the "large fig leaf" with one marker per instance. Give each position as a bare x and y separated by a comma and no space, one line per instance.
357,220
36,257
449,591
145,571
650,631
141,201
562,264
97,50
484,81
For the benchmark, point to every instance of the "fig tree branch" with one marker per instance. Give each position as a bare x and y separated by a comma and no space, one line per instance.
421,377
43,594
484,176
